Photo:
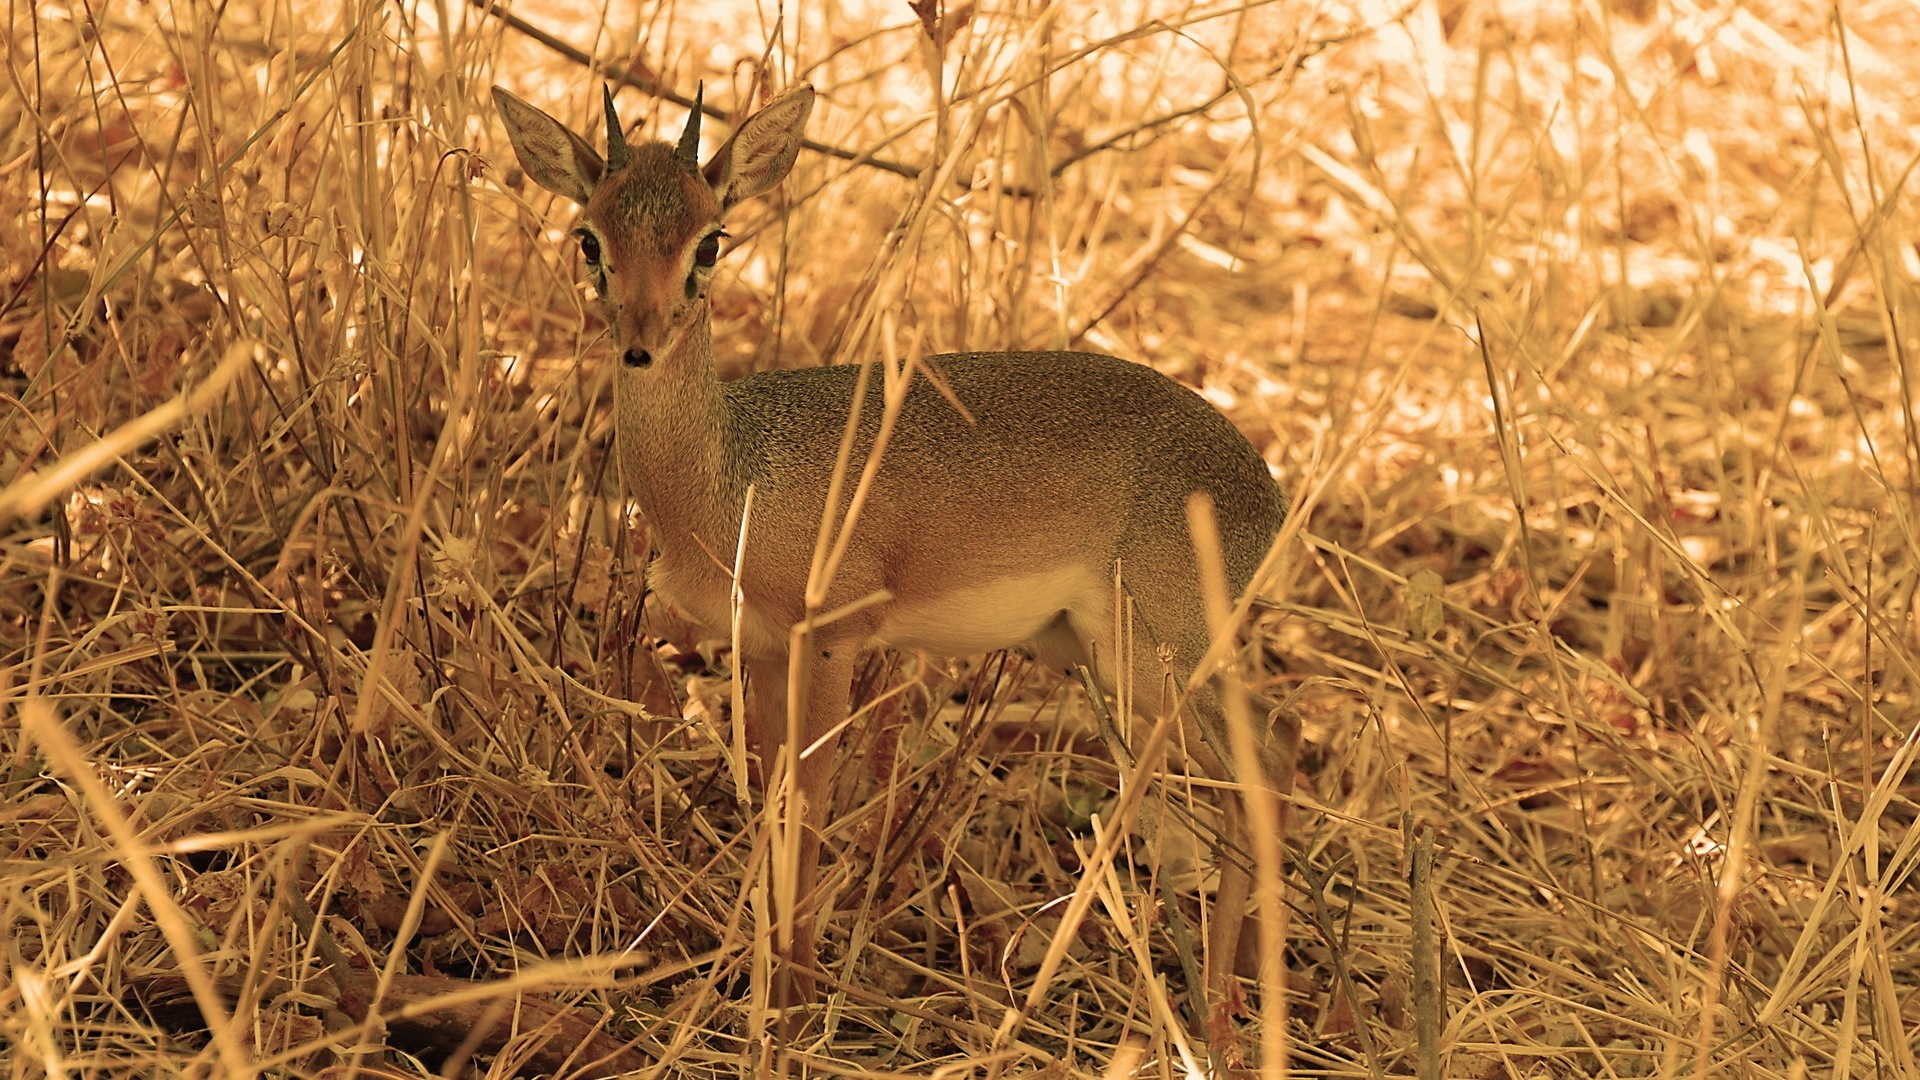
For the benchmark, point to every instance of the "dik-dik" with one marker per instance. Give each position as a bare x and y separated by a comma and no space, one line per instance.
997,528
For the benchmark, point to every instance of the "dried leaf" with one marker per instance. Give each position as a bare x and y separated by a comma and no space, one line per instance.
1425,612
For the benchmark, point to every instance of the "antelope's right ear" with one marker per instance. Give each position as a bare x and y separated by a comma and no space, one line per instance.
549,151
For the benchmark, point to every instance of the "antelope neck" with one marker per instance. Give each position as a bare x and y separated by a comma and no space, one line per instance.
673,438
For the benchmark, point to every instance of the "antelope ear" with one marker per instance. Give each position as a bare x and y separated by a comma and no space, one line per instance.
549,151
761,152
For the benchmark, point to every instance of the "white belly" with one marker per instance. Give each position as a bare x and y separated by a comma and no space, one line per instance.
988,615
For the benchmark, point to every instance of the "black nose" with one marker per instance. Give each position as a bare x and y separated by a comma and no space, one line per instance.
637,358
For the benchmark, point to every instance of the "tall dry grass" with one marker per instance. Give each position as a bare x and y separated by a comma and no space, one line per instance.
338,735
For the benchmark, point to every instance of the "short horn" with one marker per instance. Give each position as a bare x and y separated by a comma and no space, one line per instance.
689,149
617,155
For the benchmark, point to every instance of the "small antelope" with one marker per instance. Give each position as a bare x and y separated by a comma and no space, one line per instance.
996,529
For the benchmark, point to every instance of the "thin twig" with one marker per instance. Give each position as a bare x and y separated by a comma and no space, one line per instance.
626,76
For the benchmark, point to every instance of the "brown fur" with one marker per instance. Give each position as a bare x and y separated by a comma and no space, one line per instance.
999,533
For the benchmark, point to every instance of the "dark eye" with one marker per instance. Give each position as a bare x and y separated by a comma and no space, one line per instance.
589,247
708,252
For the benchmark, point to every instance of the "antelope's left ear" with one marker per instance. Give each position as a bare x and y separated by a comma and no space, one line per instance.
762,151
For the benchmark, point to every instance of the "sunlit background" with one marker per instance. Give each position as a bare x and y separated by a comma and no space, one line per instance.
1581,334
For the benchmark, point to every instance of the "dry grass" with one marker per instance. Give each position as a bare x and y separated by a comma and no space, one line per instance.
1582,334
